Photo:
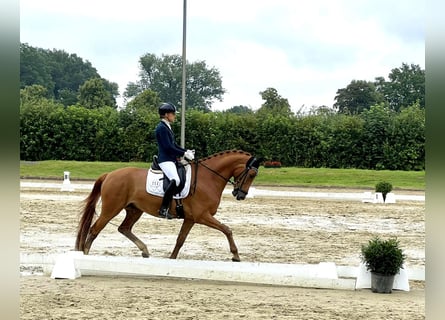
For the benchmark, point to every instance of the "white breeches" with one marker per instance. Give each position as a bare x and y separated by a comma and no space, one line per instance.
169,168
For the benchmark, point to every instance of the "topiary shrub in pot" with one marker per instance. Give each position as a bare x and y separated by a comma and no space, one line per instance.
383,187
384,259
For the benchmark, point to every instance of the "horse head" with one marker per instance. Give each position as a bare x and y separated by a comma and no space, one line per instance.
244,180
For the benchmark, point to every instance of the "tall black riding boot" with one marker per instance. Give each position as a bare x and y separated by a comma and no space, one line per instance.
168,196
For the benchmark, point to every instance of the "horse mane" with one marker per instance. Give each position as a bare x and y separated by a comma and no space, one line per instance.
225,152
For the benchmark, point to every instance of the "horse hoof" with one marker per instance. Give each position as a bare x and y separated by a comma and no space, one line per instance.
236,259
145,255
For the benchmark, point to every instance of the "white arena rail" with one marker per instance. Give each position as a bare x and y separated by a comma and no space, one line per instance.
327,275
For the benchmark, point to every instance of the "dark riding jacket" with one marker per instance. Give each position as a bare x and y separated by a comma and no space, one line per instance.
168,150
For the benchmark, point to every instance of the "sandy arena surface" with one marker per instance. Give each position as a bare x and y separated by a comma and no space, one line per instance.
266,229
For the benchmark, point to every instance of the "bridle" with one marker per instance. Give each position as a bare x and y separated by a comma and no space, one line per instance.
238,192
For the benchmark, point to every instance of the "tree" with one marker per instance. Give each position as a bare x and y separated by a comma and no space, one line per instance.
321,110
33,94
147,99
59,72
358,96
163,75
405,87
93,95
69,72
35,69
274,103
239,110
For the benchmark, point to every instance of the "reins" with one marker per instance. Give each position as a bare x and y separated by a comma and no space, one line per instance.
215,172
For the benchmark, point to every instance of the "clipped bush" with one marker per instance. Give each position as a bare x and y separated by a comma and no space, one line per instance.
383,256
383,187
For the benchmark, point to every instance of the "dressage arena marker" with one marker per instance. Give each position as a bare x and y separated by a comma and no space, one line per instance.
326,275
66,185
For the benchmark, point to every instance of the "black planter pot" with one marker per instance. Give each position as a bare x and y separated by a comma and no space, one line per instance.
381,283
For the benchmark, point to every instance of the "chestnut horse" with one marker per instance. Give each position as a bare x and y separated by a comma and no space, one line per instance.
126,189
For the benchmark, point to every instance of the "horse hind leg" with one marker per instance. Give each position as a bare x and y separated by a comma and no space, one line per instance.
94,231
97,227
132,216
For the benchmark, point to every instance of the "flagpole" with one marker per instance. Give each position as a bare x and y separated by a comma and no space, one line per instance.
184,24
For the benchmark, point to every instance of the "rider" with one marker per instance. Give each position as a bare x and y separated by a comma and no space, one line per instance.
168,152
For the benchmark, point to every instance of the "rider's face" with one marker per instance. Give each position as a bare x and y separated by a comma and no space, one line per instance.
171,116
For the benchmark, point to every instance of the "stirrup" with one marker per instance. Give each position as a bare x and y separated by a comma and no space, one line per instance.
179,209
164,213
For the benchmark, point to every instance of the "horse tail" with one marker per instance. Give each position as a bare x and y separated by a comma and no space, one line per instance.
88,213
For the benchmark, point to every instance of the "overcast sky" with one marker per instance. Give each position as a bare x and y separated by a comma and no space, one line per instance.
307,50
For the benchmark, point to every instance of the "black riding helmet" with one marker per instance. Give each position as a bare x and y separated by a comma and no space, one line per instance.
166,108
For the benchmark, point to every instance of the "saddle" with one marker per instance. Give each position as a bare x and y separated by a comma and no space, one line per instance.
181,173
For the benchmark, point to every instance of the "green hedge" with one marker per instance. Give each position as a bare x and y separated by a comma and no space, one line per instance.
376,139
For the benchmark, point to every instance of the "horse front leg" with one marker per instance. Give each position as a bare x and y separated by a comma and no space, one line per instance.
133,215
187,225
212,222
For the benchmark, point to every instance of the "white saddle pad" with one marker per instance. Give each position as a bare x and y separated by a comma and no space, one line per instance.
155,183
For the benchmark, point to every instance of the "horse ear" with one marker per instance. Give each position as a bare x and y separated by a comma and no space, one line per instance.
259,160
254,162
250,162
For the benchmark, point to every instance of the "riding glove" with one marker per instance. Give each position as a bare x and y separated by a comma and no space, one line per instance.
189,155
